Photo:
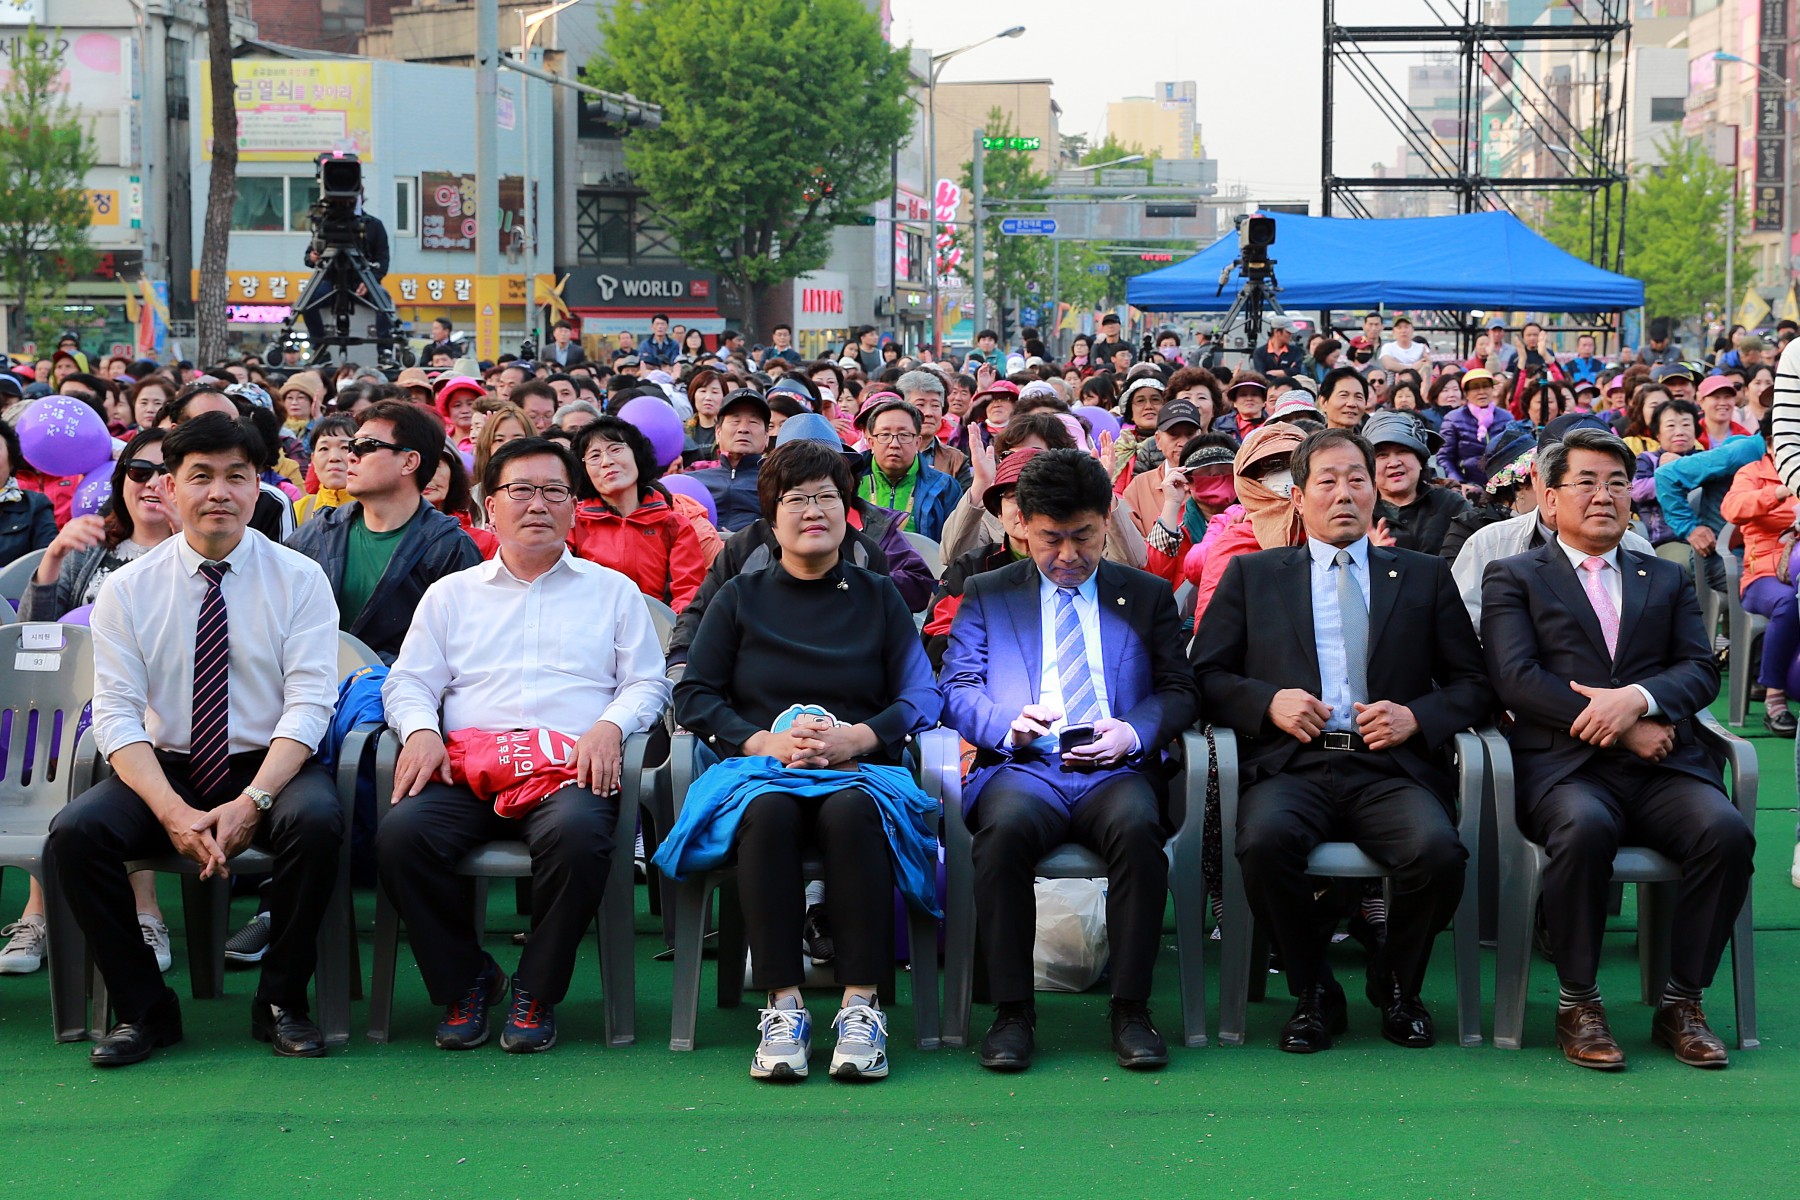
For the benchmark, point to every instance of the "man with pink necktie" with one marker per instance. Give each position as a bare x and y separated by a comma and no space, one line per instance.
1600,654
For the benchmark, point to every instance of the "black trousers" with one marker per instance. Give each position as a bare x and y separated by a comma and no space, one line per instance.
1360,797
1581,823
771,845
1015,826
107,826
421,840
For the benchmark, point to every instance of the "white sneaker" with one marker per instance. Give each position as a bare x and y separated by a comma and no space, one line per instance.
861,1051
786,1043
156,936
24,949
1794,875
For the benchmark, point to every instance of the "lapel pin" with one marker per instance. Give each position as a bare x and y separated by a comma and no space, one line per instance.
1121,602
1643,572
1393,574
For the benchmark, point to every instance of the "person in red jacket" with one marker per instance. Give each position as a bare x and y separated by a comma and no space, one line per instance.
627,521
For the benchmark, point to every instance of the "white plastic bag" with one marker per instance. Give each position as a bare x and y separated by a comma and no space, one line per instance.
1069,953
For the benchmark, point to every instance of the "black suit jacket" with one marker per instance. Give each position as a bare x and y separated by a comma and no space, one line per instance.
1257,639
1541,632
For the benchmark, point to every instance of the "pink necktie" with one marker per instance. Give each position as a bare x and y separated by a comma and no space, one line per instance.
1602,602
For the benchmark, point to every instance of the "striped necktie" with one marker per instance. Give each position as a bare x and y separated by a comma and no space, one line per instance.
1080,700
209,751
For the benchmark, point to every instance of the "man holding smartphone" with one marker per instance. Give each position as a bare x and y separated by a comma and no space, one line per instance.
1066,674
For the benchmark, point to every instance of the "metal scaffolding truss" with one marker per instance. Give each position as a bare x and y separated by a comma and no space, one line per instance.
1557,144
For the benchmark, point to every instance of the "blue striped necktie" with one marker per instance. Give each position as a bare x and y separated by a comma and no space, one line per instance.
1081,703
209,749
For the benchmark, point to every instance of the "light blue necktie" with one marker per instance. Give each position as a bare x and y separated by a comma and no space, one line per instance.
1080,700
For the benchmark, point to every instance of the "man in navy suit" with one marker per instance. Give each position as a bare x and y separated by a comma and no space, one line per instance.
1600,653
1345,668
1059,644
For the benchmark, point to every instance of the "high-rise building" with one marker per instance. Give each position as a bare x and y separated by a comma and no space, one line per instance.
1164,123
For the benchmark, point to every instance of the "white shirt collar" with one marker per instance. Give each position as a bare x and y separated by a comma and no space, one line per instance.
1088,591
1324,553
238,558
494,569
1577,557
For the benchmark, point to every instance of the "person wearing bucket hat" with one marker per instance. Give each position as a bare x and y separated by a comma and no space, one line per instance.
456,397
1509,491
1246,393
1416,512
991,408
301,395
988,556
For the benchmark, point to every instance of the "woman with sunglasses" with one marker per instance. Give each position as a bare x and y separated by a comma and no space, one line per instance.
140,517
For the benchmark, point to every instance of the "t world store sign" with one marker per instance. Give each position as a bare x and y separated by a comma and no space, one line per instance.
673,287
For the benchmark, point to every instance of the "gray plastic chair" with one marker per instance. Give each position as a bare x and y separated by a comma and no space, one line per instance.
16,575
206,904
693,895
1744,627
512,860
930,551
1658,878
353,655
35,784
1239,978
1187,883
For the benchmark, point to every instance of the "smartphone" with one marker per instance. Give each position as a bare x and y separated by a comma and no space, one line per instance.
1073,736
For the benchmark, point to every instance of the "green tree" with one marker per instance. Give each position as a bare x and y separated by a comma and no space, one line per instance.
1675,234
780,119
45,155
1013,263
221,187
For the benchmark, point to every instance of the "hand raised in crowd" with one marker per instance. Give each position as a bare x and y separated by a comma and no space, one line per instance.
1103,450
422,759
1113,740
82,533
230,826
1703,540
1379,534
981,468
1384,724
1298,712
1650,739
193,840
1175,495
1033,722
1609,714
599,758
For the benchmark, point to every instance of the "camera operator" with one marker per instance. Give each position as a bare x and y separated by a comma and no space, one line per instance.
371,244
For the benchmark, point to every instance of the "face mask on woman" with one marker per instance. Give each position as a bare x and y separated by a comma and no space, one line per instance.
1280,482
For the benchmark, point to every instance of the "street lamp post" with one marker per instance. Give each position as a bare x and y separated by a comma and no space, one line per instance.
529,24
938,62
1787,188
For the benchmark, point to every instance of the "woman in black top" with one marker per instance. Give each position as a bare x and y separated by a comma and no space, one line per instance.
27,519
817,631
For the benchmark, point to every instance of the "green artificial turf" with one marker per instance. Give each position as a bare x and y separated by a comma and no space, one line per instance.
218,1116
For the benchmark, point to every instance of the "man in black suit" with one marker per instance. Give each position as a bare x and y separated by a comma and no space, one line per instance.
1063,643
1356,670
1600,653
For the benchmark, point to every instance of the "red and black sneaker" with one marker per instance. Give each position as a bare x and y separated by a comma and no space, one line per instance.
532,1025
465,1023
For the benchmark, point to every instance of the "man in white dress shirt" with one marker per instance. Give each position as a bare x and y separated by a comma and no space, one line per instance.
215,673
535,639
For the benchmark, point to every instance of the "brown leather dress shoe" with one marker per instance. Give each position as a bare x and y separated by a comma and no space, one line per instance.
1682,1027
1585,1039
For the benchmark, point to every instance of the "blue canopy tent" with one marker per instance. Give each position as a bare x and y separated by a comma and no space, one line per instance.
1485,261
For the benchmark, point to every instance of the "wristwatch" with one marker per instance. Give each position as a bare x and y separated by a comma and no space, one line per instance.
263,800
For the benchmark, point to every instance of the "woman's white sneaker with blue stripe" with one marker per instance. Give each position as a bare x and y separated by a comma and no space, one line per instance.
861,1051
786,1044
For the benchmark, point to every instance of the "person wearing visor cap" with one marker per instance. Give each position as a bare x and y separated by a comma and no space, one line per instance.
743,436
1197,487
1177,423
1417,513
1467,430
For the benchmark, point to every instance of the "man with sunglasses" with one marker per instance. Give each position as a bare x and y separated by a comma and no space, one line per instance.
565,667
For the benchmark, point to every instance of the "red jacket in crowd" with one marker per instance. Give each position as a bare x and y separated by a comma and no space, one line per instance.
655,546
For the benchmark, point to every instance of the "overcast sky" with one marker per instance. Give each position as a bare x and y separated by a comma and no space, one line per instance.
1257,67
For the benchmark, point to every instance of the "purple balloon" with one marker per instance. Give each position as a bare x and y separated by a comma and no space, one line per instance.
468,457
78,616
687,485
60,435
1099,421
93,493
660,423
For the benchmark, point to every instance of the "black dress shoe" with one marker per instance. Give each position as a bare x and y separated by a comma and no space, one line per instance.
291,1033
1010,1039
133,1041
1135,1040
1318,1016
1404,1019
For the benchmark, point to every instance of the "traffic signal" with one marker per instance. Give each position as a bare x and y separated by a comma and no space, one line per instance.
1009,320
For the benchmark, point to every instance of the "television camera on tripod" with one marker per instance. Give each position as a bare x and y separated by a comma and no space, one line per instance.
1240,331
349,256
